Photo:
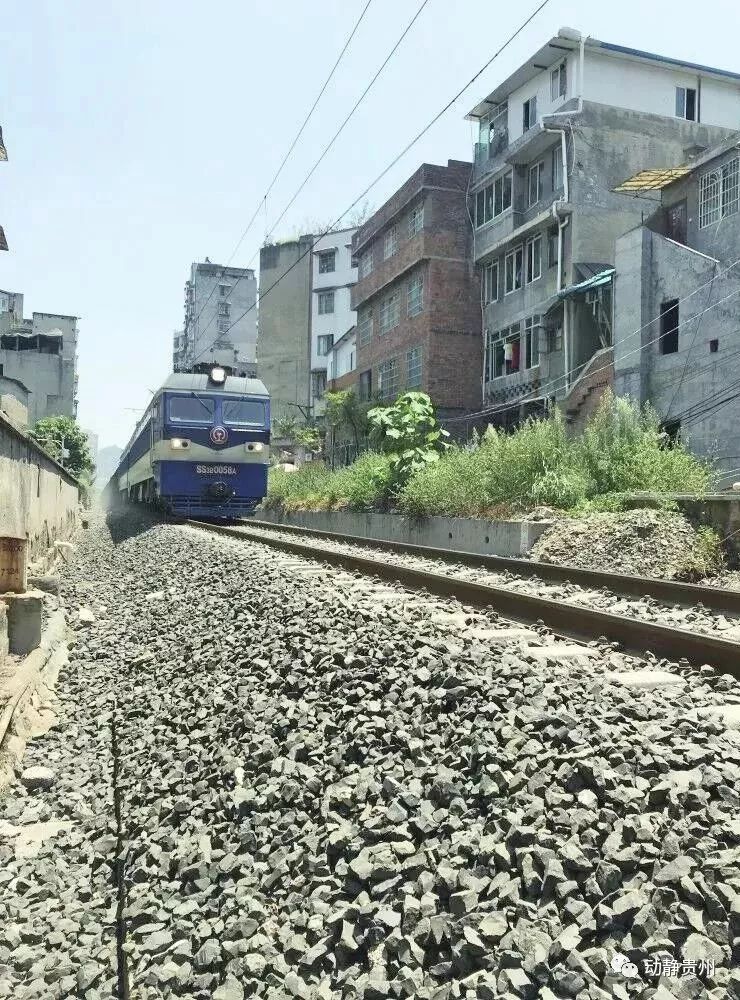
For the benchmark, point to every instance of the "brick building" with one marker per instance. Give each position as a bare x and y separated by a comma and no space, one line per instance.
416,297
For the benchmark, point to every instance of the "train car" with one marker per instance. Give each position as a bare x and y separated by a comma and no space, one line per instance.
202,448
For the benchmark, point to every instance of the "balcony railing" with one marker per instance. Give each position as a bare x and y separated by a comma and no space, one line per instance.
487,151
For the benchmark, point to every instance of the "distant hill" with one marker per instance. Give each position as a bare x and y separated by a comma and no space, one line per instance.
108,459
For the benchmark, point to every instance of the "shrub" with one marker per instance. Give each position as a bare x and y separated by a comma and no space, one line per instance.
360,486
409,434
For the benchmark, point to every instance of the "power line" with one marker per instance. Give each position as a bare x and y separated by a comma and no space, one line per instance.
296,137
399,156
324,152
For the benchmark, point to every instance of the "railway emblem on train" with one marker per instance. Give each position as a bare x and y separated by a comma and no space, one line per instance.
219,434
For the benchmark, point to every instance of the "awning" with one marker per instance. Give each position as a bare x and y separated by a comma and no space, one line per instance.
602,278
652,180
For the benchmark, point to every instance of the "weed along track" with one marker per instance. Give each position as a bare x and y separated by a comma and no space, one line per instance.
318,784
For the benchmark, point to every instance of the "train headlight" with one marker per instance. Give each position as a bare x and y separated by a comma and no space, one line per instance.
255,446
178,444
218,375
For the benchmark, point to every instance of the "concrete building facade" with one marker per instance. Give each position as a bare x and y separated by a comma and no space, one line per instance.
220,318
555,139
677,304
418,315
284,346
333,276
41,354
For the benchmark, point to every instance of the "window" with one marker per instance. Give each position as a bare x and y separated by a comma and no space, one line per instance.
365,326
351,360
413,368
553,246
713,346
224,289
366,263
191,409
416,220
325,344
536,177
389,312
718,193
390,244
534,258
223,325
243,411
531,341
224,308
529,114
490,282
415,295
669,327
326,303
686,103
388,379
318,384
513,267
327,261
558,82
557,168
493,200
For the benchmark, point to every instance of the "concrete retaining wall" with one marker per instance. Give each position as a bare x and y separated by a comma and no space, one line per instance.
38,499
720,511
465,534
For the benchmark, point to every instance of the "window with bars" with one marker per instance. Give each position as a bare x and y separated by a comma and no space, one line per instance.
536,182
718,193
366,385
224,290
389,312
388,379
415,295
326,303
324,344
224,309
364,327
534,259
490,282
416,220
223,325
390,243
327,261
413,368
365,264
318,384
513,266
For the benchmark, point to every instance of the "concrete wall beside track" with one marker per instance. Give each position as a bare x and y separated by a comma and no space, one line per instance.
38,499
465,534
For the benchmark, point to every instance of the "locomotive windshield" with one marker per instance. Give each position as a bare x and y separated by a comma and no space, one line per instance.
243,411
192,409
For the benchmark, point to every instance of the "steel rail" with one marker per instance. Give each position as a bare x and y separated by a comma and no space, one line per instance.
670,591
572,619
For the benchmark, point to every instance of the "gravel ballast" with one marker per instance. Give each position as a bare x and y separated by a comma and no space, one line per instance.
329,787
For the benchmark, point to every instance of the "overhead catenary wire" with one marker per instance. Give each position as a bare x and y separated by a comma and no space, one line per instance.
398,156
323,154
263,200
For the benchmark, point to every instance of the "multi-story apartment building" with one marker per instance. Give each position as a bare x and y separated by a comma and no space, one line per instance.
677,303
284,348
41,354
220,318
332,316
418,313
555,139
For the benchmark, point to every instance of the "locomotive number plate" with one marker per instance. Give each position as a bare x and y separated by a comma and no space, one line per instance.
216,470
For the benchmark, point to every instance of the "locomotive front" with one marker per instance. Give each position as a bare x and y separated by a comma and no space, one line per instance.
213,454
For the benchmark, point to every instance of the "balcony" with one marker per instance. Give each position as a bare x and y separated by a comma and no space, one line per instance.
517,385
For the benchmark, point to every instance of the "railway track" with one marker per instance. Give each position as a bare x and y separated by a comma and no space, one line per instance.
566,618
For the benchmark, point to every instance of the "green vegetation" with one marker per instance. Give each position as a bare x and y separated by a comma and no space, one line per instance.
66,442
706,559
620,453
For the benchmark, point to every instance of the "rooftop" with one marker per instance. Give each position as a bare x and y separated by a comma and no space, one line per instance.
569,40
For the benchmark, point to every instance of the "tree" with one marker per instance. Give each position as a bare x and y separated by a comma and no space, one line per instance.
344,409
408,432
66,442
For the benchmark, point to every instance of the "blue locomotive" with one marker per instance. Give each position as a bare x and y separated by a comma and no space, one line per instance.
202,447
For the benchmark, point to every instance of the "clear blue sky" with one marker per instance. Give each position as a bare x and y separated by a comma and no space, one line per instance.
142,135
